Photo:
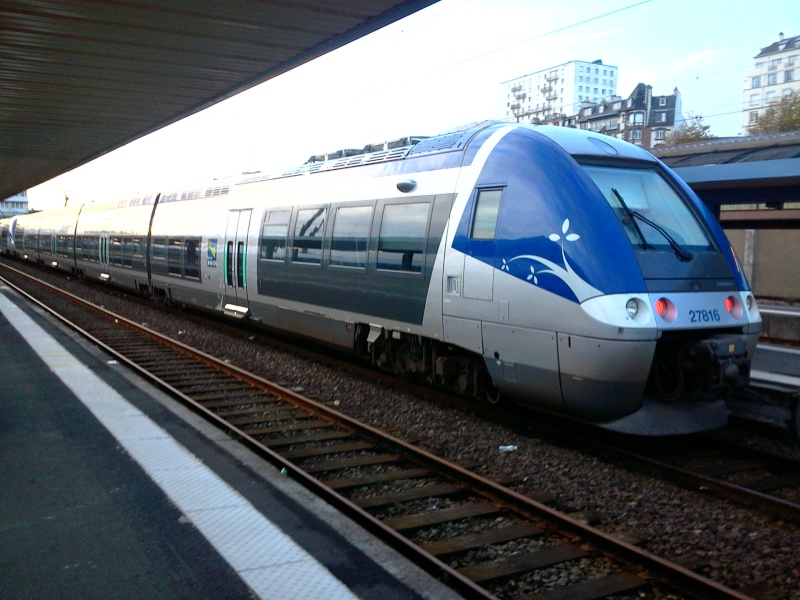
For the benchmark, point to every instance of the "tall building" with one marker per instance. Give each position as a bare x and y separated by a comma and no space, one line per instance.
15,205
775,73
557,90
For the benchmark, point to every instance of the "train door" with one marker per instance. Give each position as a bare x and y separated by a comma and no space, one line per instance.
481,245
102,256
236,302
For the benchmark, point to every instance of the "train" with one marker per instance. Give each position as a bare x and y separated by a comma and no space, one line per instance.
546,267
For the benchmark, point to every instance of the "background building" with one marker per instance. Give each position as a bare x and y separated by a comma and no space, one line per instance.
641,118
15,205
775,73
558,90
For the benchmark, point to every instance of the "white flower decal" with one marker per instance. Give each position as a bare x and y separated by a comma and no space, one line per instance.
582,289
533,276
572,237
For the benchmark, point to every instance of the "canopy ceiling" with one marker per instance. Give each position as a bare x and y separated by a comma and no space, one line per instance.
81,78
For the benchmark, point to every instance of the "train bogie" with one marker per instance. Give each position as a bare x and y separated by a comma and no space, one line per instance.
561,269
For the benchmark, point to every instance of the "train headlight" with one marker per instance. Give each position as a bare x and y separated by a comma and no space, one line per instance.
749,301
623,311
632,307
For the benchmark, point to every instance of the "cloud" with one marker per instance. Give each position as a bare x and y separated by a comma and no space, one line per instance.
693,61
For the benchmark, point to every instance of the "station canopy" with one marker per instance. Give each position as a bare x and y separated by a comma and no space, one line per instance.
80,78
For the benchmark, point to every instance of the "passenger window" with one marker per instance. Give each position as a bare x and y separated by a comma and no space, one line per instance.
487,208
31,242
192,265
62,245
91,249
159,249
308,232
273,235
174,258
115,251
402,238
350,236
136,248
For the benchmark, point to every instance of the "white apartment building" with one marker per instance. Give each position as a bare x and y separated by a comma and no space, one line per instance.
558,90
15,205
775,73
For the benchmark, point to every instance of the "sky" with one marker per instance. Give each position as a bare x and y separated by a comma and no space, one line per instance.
437,69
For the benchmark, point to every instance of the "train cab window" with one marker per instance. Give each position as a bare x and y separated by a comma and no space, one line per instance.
174,256
401,243
487,208
651,212
191,268
308,232
351,236
274,234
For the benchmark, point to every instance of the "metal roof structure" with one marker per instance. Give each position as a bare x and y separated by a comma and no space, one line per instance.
758,169
80,78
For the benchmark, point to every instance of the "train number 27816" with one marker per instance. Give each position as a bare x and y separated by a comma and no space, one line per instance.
704,316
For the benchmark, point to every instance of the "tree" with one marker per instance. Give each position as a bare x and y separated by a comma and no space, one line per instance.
781,115
692,130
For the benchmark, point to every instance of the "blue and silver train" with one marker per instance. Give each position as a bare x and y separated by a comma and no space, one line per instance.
552,267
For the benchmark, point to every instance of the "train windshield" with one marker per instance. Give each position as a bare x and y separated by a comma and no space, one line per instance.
652,213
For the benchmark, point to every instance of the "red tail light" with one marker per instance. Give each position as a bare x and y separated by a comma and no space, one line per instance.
730,304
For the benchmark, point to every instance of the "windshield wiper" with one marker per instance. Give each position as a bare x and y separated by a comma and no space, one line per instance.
631,217
682,254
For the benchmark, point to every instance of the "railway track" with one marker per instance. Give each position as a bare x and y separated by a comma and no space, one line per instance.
761,480
477,535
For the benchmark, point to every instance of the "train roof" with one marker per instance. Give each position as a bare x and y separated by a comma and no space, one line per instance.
574,141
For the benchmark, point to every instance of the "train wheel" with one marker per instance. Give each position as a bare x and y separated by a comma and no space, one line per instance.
493,395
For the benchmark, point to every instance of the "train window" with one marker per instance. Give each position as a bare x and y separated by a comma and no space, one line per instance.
62,245
308,232
192,264
115,251
650,210
350,236
174,256
131,250
159,249
402,237
31,242
273,235
487,208
84,248
92,249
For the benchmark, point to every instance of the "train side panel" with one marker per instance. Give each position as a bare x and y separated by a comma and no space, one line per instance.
187,254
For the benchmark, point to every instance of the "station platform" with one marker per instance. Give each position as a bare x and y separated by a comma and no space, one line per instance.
111,489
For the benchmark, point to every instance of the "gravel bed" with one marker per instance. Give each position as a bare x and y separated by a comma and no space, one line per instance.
741,547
